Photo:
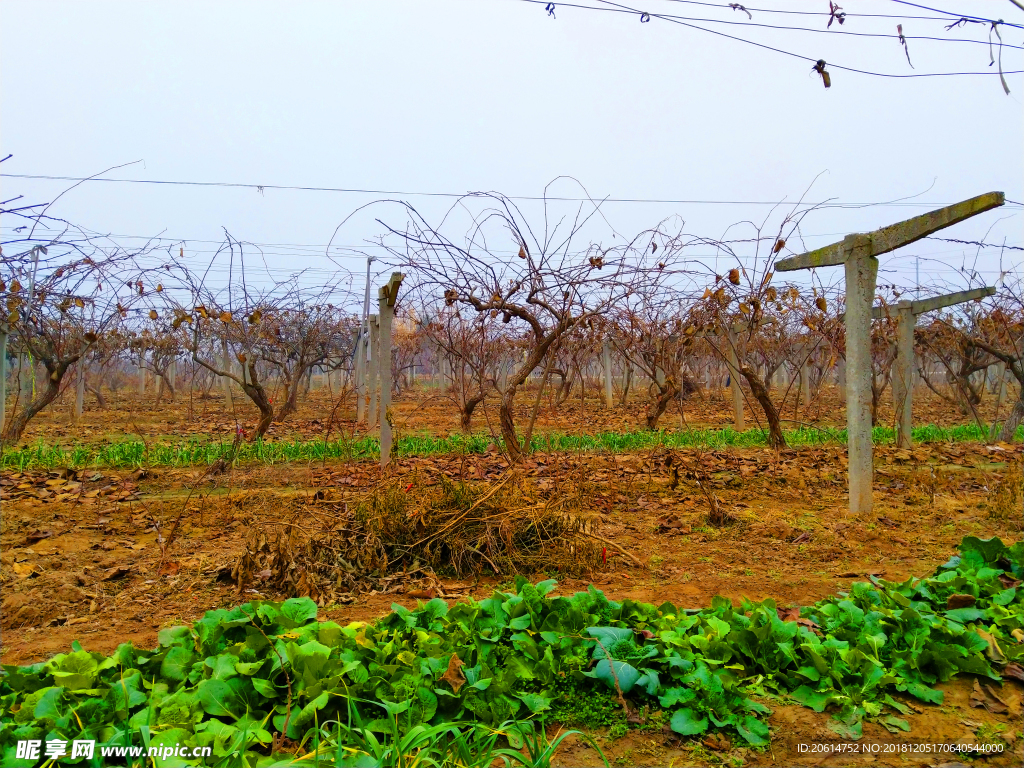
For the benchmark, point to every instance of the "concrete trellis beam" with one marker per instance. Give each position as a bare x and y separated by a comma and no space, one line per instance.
859,254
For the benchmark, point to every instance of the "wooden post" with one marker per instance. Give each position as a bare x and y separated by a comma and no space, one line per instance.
386,303
859,254
734,381
373,370
606,353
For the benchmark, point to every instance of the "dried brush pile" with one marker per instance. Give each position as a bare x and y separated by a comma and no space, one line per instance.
329,548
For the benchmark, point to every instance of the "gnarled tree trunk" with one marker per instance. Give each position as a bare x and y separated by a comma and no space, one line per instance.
44,396
775,437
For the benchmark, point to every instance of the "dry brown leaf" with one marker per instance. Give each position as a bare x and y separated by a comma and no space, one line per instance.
453,675
984,696
960,601
1014,671
994,652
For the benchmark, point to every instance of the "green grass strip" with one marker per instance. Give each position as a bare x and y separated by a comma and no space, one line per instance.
191,453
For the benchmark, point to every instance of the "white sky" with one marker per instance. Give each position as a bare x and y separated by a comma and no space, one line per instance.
477,95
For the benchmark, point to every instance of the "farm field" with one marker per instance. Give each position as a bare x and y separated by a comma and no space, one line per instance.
107,554
391,384
426,417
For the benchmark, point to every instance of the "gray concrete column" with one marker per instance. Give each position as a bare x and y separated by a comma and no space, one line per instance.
226,362
903,376
387,312
841,378
805,385
142,372
606,355
734,379
3,376
861,274
359,371
373,371
79,389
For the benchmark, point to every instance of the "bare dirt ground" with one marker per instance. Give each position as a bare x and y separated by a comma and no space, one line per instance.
127,553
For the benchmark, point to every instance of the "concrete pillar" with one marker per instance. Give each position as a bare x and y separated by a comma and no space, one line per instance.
359,371
3,376
387,312
172,373
606,355
805,385
79,389
373,371
861,274
734,377
226,363
142,372
903,375
27,378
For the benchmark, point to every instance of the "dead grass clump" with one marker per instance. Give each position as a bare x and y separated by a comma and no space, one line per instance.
1007,499
326,549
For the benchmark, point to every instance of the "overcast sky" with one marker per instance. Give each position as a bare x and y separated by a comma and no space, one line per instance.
476,95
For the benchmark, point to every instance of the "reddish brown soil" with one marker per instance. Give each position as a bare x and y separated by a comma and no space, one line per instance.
96,571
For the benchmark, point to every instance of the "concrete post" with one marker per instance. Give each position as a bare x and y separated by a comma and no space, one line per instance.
3,376
861,274
374,371
734,379
172,373
359,371
80,389
859,255
805,385
1001,377
903,374
387,312
225,381
841,378
606,354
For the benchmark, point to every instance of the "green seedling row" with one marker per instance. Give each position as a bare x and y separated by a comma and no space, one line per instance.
203,452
